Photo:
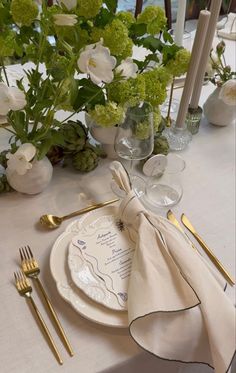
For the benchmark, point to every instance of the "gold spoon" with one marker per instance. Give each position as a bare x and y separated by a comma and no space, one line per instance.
52,221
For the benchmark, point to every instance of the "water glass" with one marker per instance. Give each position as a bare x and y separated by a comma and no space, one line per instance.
164,186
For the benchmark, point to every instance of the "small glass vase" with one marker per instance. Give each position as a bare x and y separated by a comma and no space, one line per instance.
193,119
178,137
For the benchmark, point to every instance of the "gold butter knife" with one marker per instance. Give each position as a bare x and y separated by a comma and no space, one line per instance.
171,217
208,251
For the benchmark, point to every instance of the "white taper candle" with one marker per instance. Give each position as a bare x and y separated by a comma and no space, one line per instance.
214,10
179,27
200,35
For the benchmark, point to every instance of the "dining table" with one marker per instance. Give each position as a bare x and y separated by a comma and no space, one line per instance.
208,200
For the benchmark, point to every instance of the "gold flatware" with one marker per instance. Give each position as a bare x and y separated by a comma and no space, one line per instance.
31,269
173,219
208,251
52,221
25,290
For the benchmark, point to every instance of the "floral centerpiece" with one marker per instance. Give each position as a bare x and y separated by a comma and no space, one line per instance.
81,55
219,108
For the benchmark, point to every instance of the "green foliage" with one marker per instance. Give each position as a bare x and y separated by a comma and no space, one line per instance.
34,37
4,186
221,72
161,145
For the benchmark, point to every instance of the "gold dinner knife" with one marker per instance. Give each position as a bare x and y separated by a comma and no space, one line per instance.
208,251
173,219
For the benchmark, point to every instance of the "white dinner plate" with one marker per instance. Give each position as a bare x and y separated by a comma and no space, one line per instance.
71,293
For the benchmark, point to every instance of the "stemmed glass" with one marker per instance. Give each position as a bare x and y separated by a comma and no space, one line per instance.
135,141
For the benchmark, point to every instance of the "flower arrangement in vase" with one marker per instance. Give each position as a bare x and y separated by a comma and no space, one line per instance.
81,55
219,108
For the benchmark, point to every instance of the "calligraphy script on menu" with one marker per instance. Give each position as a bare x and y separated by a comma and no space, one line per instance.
108,245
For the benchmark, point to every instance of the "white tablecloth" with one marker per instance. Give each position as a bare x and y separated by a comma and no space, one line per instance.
209,202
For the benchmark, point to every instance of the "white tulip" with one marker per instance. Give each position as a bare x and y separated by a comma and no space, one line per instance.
127,68
96,61
11,98
69,4
228,92
20,160
65,19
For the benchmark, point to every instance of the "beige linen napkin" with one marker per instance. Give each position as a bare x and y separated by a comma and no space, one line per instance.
177,308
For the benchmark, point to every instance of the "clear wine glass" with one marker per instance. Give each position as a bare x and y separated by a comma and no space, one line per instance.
135,141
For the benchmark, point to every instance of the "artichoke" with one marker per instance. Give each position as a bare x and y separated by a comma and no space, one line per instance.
85,160
75,135
55,154
161,145
4,186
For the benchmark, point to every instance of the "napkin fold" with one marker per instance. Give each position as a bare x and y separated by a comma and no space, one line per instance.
177,308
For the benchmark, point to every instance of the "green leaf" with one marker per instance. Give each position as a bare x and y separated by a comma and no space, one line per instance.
44,147
138,29
111,5
167,37
88,95
18,121
151,43
103,18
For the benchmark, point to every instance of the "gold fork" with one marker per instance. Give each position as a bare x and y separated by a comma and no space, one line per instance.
24,288
31,269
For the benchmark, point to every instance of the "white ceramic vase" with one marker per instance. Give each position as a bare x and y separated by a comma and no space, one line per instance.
217,112
106,136
35,180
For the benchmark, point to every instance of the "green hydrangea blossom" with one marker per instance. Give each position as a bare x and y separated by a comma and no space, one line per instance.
24,12
116,37
163,75
129,92
96,34
126,17
128,51
155,87
156,119
89,8
179,65
107,115
7,44
142,130
154,17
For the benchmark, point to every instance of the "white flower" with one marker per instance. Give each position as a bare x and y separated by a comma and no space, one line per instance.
70,4
11,98
65,19
228,92
96,61
127,68
209,69
20,160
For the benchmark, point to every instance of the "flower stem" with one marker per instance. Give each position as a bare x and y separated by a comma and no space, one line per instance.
80,108
170,102
5,72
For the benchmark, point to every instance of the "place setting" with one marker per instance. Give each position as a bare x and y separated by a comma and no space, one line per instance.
111,263
116,186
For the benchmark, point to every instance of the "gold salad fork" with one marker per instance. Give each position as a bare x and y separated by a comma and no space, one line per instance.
25,290
31,269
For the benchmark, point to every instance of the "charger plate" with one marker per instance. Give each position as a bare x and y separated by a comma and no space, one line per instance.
71,293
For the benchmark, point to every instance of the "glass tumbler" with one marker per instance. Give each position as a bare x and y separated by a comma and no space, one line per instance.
164,186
